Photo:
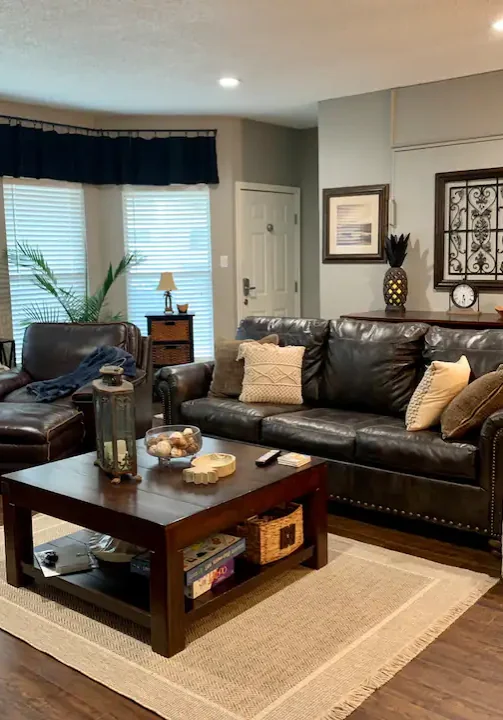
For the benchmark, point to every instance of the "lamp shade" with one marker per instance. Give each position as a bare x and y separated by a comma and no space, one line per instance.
166,282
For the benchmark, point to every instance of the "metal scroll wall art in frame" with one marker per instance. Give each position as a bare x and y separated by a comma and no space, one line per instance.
469,229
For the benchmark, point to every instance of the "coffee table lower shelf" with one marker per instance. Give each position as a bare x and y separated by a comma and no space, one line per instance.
116,589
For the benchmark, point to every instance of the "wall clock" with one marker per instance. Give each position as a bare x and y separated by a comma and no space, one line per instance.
463,298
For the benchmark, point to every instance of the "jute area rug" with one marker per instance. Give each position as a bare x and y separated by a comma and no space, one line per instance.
309,646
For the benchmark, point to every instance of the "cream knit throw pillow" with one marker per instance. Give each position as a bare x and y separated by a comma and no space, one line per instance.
272,374
440,384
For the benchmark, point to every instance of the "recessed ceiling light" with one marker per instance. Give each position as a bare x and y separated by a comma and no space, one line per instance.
498,25
229,82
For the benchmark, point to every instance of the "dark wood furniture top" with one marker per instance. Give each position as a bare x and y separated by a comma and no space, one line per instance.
164,515
443,319
172,338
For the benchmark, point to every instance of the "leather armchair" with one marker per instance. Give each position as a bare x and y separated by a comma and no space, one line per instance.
54,349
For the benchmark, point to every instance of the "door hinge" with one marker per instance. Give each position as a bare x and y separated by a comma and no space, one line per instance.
296,219
296,286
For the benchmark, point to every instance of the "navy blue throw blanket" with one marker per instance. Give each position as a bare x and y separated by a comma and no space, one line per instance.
89,369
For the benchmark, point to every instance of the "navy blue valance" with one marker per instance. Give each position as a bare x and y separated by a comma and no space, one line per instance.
100,157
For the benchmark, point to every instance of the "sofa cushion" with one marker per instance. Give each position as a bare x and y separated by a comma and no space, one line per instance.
229,370
441,383
471,408
312,334
483,348
326,432
388,445
226,417
371,366
272,374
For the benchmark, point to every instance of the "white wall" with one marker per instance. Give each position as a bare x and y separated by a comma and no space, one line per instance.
354,149
405,137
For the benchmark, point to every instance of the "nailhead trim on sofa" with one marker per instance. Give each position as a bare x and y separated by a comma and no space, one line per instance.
397,511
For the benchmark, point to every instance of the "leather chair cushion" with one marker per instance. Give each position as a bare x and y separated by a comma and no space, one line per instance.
39,424
230,418
23,396
326,432
53,349
483,348
312,334
372,367
388,445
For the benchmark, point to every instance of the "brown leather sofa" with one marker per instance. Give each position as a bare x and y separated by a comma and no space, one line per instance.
32,433
358,378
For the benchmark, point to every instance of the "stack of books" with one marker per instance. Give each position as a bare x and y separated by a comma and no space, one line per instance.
205,564
294,459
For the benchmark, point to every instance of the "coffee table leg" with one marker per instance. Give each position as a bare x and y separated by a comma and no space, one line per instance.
316,522
167,604
18,542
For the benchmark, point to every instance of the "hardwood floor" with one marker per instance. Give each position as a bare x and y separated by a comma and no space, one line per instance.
458,677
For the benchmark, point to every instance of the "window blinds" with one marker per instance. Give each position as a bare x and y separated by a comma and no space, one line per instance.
51,217
170,229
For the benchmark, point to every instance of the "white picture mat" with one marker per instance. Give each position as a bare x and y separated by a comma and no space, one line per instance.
354,225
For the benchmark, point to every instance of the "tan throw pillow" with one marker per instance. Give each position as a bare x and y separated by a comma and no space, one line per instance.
440,384
228,372
473,405
272,374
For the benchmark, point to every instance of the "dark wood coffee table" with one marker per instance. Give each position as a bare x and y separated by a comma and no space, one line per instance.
163,514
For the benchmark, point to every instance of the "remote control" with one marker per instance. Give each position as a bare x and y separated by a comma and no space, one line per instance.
267,458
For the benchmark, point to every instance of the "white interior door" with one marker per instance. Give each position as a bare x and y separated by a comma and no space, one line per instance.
268,282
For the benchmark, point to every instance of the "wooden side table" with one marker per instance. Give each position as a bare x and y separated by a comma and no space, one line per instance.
172,338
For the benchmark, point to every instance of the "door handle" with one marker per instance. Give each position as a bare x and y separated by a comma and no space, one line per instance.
247,287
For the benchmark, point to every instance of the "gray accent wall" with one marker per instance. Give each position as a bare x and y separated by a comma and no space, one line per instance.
404,137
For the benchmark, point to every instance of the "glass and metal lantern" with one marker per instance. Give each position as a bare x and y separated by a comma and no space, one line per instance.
114,412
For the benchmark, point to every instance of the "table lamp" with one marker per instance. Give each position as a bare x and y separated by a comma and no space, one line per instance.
167,284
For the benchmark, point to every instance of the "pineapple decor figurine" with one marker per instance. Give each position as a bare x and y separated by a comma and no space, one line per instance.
395,284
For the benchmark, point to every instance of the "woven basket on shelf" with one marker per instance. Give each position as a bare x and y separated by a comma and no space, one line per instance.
270,540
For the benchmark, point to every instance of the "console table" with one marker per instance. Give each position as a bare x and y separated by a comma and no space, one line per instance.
430,317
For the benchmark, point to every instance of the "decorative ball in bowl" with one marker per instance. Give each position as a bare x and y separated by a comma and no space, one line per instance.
171,442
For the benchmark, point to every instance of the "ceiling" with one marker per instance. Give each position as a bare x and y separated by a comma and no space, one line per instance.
165,56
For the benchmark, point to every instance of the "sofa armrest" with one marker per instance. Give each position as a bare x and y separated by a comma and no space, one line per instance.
11,380
491,468
178,383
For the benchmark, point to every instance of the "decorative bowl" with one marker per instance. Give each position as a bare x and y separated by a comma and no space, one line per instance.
171,442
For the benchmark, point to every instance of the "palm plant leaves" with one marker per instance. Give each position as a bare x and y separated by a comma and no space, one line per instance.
77,308
40,313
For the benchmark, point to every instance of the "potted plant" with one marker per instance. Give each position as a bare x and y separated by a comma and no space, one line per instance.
395,285
76,307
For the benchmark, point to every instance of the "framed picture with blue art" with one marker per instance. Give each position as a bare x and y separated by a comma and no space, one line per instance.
355,224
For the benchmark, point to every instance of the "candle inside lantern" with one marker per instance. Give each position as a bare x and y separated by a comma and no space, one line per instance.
121,451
